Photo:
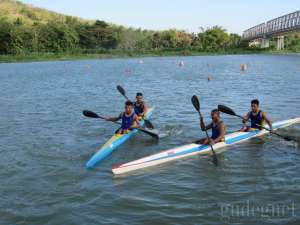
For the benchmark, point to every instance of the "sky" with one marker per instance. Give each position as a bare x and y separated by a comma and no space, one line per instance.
233,15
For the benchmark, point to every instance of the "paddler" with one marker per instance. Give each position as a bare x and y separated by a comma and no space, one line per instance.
129,119
257,118
140,106
218,129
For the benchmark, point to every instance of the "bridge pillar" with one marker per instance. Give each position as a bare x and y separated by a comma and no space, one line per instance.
265,43
280,43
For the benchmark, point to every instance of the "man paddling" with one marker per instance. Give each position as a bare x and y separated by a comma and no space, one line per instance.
129,119
140,107
257,118
218,129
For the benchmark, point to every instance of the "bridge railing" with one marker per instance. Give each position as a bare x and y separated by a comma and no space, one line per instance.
275,26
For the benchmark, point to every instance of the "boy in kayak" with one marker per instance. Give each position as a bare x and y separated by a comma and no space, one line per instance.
129,119
257,118
218,129
140,107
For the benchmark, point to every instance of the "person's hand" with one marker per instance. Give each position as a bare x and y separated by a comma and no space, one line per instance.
135,126
211,141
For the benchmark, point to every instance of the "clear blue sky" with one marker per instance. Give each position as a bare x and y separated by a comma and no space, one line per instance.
234,15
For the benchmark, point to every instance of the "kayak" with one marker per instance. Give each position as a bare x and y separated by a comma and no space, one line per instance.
195,149
115,141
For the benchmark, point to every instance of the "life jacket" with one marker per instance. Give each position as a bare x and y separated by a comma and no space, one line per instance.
256,119
139,109
215,131
127,121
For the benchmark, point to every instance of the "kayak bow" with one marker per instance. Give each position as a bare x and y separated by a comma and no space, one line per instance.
195,149
115,141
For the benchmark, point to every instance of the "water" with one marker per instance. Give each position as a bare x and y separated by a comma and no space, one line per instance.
45,142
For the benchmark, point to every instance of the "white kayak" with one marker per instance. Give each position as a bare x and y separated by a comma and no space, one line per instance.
195,149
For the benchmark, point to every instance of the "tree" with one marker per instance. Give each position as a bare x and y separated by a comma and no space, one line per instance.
5,36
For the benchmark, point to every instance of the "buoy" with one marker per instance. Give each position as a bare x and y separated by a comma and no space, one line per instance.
243,67
128,71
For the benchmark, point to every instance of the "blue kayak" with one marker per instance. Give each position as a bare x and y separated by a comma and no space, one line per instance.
115,141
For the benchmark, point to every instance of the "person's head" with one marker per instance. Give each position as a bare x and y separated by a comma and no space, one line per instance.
139,97
215,115
128,107
255,105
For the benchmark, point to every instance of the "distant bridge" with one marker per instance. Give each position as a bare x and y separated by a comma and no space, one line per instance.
275,28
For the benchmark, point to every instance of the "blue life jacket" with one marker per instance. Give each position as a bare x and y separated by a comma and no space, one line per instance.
215,131
139,109
127,121
256,119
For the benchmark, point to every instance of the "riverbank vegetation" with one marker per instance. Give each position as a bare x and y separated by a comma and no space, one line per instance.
30,33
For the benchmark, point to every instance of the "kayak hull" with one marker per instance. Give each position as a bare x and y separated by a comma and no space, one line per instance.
113,143
195,149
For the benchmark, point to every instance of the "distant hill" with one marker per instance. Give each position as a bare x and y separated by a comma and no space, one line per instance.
26,30
13,10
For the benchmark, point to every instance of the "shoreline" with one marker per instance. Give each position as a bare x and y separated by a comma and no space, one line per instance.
119,55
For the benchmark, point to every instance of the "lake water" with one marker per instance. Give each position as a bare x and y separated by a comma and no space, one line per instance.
45,142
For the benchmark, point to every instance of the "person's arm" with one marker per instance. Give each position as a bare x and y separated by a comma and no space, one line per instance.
114,119
209,126
246,117
145,108
135,123
269,122
222,130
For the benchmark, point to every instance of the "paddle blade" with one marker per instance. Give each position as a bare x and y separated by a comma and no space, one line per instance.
90,114
225,109
121,90
196,103
148,124
152,133
286,137
215,159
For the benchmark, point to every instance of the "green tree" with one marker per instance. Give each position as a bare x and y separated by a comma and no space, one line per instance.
292,42
5,36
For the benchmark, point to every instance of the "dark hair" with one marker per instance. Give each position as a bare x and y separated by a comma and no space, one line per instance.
139,94
129,103
215,111
255,101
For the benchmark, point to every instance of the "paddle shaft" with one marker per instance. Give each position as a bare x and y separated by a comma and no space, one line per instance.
138,128
208,138
263,127
104,118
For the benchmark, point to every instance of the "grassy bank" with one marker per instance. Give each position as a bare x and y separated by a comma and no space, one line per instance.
126,54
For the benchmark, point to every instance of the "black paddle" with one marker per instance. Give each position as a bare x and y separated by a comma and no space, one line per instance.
229,111
196,104
122,91
148,124
91,114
